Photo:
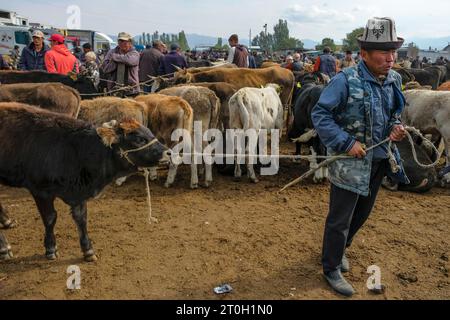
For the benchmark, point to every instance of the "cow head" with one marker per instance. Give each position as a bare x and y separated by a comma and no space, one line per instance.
183,76
134,142
160,83
276,87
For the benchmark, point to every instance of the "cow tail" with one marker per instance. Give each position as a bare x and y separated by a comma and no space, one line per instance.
215,112
77,95
188,118
243,112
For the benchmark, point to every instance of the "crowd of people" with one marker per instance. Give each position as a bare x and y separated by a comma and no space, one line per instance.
125,66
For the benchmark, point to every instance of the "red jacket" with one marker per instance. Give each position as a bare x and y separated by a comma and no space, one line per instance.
60,60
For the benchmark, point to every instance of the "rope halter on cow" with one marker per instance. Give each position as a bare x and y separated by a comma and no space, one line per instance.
124,154
146,174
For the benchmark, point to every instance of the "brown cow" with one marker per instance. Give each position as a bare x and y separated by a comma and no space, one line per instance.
165,115
445,86
206,107
242,78
54,97
101,110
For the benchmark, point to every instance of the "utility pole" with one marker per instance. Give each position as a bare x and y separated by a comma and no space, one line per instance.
250,39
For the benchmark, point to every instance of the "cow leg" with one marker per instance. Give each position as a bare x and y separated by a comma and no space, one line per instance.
121,181
5,220
194,176
171,175
237,167
153,173
48,214
208,175
79,215
5,248
250,168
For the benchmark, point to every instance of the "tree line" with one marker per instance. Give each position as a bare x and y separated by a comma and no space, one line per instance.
180,38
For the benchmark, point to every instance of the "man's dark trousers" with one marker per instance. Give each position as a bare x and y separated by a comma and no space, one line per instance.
348,213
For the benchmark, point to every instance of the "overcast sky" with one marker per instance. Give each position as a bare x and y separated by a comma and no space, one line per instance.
308,19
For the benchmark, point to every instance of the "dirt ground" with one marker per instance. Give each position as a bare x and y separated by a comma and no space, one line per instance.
266,245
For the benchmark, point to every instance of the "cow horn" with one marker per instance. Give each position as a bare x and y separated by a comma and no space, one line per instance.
177,68
110,125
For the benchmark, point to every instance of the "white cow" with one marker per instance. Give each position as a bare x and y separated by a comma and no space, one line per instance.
429,111
257,109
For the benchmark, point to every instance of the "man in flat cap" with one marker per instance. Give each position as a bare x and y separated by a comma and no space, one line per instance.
360,108
121,66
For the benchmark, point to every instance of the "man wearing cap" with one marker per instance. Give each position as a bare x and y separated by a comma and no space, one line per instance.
33,56
121,65
173,60
359,109
149,62
59,59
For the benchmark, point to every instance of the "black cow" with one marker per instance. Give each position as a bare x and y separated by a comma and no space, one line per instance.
430,76
200,64
303,126
54,156
422,180
82,84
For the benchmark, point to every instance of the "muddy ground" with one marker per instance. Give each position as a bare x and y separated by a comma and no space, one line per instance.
266,245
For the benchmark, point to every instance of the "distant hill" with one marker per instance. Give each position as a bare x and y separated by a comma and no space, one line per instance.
426,43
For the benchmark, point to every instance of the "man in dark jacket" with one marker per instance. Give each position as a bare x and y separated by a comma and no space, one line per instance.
33,56
149,62
172,59
326,63
238,54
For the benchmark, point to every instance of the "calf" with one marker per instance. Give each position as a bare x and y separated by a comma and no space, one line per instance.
206,107
303,132
429,111
54,97
54,156
165,115
257,109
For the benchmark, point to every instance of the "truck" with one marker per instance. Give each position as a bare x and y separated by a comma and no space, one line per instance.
11,36
98,40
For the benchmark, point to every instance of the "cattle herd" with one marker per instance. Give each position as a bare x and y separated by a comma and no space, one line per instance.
59,138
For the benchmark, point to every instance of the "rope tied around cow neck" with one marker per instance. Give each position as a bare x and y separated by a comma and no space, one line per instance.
145,174
395,167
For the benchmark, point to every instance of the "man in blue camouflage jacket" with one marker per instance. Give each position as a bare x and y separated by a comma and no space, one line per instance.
360,108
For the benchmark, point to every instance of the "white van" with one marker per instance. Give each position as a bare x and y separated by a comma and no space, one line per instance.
11,36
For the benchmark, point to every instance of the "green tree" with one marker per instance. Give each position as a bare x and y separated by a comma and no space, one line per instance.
182,41
327,42
351,42
219,44
282,39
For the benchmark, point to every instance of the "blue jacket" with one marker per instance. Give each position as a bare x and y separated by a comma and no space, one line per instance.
328,65
170,60
32,60
354,106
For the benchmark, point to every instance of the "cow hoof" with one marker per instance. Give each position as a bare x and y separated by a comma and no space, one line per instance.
207,184
255,180
6,254
153,178
194,186
167,185
237,179
51,256
90,256
8,224
389,185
